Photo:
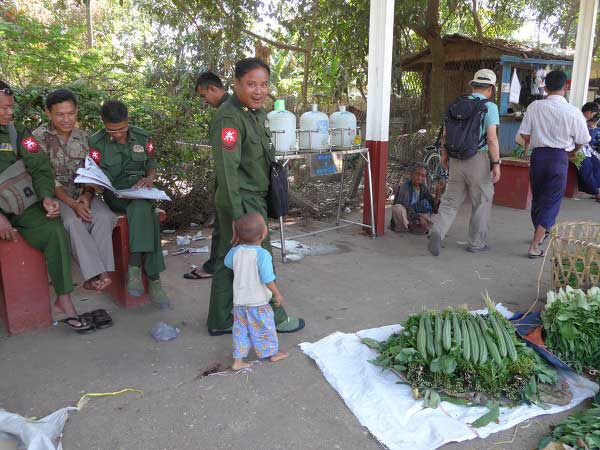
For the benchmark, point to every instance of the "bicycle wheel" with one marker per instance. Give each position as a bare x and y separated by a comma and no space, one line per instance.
435,170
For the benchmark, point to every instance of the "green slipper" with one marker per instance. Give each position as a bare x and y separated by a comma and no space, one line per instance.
158,296
135,286
290,325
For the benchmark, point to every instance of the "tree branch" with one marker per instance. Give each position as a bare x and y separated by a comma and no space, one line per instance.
476,19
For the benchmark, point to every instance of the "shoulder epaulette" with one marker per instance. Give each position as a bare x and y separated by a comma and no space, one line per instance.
96,137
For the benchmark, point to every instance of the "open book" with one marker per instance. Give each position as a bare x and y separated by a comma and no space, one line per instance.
92,174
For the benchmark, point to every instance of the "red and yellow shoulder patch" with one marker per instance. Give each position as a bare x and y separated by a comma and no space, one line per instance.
150,147
30,144
96,155
229,137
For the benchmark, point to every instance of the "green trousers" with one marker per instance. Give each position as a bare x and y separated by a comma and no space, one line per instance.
144,230
49,237
209,266
220,310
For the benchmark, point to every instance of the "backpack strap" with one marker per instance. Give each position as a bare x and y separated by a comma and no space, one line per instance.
483,104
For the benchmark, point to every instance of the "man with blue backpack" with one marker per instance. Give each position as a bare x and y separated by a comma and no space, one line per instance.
471,154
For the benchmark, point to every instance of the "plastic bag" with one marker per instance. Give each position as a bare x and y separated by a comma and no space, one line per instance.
162,331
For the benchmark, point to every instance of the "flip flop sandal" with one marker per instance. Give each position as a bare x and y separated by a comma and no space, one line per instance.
219,332
101,319
536,255
192,275
81,324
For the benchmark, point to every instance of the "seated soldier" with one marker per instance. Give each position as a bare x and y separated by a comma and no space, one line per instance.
35,214
87,219
414,204
127,156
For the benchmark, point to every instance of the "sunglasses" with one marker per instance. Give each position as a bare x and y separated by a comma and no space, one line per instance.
120,130
7,91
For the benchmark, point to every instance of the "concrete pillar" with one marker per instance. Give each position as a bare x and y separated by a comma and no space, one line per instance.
381,26
583,52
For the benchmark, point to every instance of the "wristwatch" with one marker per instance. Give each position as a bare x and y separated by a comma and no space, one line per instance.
499,162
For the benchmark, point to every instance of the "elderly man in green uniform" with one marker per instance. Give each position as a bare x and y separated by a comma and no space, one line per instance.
211,89
36,220
87,219
127,156
241,149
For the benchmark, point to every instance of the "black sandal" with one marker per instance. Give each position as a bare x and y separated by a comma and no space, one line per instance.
101,319
80,324
193,275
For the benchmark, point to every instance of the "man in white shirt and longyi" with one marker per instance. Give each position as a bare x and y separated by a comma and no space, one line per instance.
555,130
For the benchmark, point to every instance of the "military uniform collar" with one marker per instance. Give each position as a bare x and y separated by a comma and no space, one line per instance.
236,101
75,134
226,95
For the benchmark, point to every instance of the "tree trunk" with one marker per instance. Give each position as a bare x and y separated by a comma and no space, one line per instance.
437,90
90,24
308,54
476,20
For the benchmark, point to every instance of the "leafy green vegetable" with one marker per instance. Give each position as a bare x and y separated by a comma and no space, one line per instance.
491,416
571,321
580,430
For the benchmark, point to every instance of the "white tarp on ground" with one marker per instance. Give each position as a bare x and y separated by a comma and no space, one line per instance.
388,409
43,434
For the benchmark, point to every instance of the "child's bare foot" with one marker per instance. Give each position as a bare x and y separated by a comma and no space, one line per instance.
278,356
239,364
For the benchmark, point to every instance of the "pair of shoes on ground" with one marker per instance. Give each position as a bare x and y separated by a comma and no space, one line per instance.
291,325
435,245
135,287
89,322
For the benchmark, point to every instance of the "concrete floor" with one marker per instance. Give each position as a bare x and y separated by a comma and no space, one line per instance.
285,405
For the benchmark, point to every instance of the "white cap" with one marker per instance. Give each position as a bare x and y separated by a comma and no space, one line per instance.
484,76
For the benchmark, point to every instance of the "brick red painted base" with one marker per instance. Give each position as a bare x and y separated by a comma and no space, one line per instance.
378,151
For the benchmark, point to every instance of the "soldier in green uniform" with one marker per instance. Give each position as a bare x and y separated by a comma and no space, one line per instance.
127,156
38,224
211,89
241,147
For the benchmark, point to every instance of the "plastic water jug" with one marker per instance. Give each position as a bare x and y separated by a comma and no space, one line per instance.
283,126
314,130
343,127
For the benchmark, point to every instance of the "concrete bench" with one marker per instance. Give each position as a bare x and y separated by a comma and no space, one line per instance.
24,293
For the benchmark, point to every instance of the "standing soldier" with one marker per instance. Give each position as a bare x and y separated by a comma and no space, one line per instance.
211,89
241,149
127,156
36,220
87,219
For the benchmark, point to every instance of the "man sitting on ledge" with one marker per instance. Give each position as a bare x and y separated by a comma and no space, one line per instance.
27,205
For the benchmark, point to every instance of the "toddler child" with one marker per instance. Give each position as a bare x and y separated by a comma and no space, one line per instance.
253,287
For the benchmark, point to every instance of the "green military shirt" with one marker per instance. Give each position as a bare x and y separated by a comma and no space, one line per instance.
241,147
37,162
124,164
66,157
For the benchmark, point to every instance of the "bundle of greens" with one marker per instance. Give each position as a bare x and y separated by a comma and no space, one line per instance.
580,430
571,322
457,354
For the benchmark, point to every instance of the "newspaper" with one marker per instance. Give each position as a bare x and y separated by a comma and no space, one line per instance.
92,174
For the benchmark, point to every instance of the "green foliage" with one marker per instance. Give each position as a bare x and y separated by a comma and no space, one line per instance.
451,373
572,326
580,430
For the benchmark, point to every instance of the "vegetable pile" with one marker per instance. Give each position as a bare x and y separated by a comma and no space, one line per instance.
571,322
580,430
453,352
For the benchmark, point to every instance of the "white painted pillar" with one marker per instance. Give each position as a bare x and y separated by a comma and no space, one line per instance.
583,52
381,42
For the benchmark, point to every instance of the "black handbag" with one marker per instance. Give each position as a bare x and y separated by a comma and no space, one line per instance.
277,197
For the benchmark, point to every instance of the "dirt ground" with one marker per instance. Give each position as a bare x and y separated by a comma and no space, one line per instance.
360,283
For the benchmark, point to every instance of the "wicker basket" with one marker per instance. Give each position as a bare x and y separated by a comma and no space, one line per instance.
575,255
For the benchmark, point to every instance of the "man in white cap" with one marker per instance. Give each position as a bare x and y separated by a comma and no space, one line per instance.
471,153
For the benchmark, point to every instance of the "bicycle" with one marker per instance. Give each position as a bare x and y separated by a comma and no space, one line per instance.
433,163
